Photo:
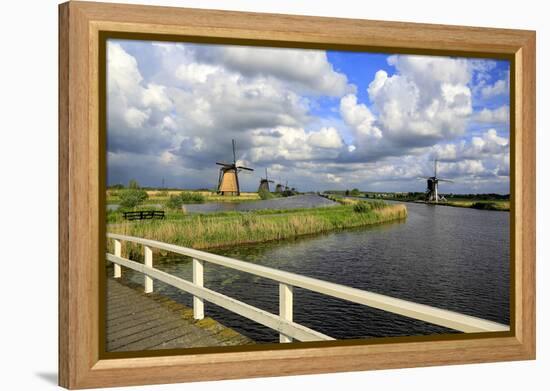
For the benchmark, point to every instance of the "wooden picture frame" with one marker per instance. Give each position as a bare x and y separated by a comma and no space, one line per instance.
81,148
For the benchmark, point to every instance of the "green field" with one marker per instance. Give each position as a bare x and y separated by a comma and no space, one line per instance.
203,231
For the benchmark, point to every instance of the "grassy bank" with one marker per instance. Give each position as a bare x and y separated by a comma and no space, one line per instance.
484,205
162,196
226,229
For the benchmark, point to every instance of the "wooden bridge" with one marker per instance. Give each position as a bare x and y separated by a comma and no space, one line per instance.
283,322
138,321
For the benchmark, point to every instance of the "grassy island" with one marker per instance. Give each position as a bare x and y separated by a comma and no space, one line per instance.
202,231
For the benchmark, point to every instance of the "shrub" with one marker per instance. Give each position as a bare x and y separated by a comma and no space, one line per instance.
265,195
191,198
176,201
131,198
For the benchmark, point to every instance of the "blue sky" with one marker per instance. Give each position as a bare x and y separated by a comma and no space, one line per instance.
317,119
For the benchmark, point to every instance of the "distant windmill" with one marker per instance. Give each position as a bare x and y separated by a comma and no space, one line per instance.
279,188
432,194
228,180
264,183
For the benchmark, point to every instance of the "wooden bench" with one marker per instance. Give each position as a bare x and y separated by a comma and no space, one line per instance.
144,215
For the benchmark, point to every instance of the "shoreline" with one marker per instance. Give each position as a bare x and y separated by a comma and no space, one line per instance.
450,203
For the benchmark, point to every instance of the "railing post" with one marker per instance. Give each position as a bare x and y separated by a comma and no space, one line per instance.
118,253
285,307
148,262
198,279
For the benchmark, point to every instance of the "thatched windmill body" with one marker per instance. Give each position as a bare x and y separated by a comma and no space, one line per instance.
228,179
432,190
264,183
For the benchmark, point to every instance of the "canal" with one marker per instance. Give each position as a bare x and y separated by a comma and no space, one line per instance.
451,258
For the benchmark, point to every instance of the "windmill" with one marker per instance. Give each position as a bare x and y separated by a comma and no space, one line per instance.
279,188
264,183
228,179
432,194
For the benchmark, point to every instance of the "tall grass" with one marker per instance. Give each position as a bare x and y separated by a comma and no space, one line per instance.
367,206
501,205
226,229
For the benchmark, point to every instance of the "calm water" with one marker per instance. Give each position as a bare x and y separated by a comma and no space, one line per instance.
452,258
293,202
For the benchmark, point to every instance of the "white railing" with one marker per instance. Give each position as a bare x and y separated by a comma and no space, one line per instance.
283,323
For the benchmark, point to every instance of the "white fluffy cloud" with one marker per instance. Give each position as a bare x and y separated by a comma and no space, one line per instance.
498,115
500,87
155,96
308,69
489,144
195,73
428,99
291,144
465,168
359,118
482,156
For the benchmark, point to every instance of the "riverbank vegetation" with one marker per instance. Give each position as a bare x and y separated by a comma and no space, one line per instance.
501,205
161,196
202,231
492,201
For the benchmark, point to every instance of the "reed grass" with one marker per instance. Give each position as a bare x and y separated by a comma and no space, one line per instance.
500,205
228,229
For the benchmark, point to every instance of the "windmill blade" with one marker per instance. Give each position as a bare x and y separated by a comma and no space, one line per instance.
445,180
234,153
270,181
423,177
245,168
224,164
